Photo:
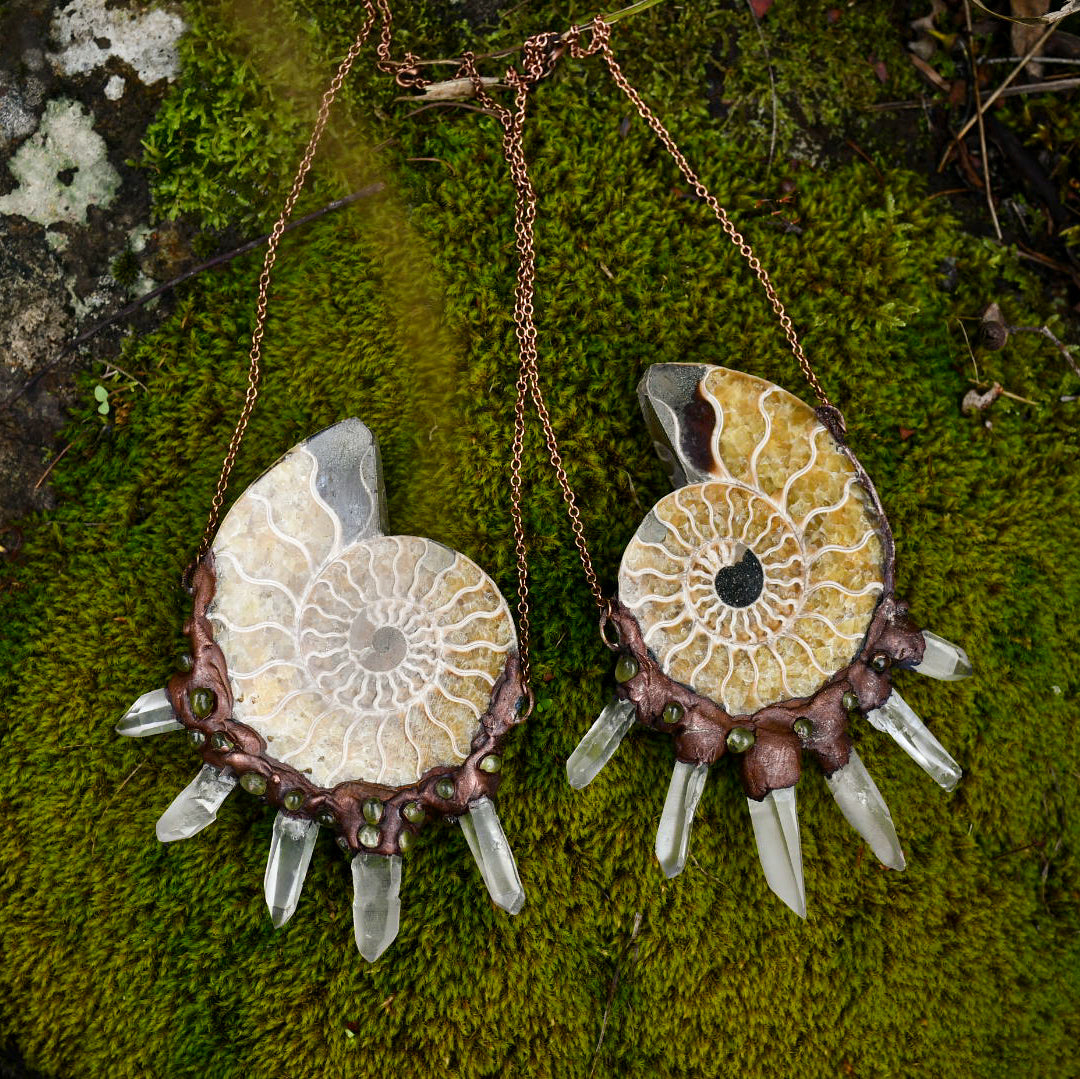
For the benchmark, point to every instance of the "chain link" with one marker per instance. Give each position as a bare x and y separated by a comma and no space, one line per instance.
406,72
601,42
539,56
270,258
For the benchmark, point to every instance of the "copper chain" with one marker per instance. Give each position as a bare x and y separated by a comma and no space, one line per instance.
601,42
374,9
539,55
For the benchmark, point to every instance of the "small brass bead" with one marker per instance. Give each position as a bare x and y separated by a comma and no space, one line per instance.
196,738
253,783
293,800
673,713
222,742
373,811
626,668
202,702
850,702
414,812
490,763
803,727
880,662
740,739
445,789
405,841
369,836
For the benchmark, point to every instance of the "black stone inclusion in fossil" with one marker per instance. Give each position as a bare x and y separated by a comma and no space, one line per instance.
741,584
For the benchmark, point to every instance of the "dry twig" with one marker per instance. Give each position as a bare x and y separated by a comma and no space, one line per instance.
123,783
772,83
1050,86
868,159
168,286
614,986
1045,331
52,464
453,89
1070,7
930,73
982,126
1000,90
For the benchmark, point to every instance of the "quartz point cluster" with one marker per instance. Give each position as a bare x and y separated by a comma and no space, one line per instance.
196,806
376,902
484,833
776,830
677,818
897,719
774,817
376,877
291,847
151,714
599,744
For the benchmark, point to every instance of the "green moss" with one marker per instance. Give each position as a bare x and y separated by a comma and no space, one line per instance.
123,957
125,268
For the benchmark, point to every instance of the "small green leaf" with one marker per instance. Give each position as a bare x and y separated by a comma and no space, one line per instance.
101,393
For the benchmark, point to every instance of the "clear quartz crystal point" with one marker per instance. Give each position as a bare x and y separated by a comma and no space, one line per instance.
291,845
673,835
776,829
943,659
494,858
376,902
861,803
150,714
897,720
196,805
599,745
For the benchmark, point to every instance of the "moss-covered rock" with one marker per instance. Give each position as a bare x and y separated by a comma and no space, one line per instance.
123,957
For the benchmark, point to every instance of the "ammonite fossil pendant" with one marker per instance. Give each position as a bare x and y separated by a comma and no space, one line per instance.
756,613
357,681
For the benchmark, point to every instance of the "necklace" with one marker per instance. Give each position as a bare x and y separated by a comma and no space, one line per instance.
366,682
353,679
756,610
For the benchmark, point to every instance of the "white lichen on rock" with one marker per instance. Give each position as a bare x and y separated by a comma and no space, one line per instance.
17,119
88,32
62,169
35,313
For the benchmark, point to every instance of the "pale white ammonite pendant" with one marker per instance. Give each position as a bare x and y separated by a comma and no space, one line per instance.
756,613
355,680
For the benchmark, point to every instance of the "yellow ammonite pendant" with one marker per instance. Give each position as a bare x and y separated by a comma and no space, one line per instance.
355,680
756,611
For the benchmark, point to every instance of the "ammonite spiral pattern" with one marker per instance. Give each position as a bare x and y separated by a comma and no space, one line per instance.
757,585
365,659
